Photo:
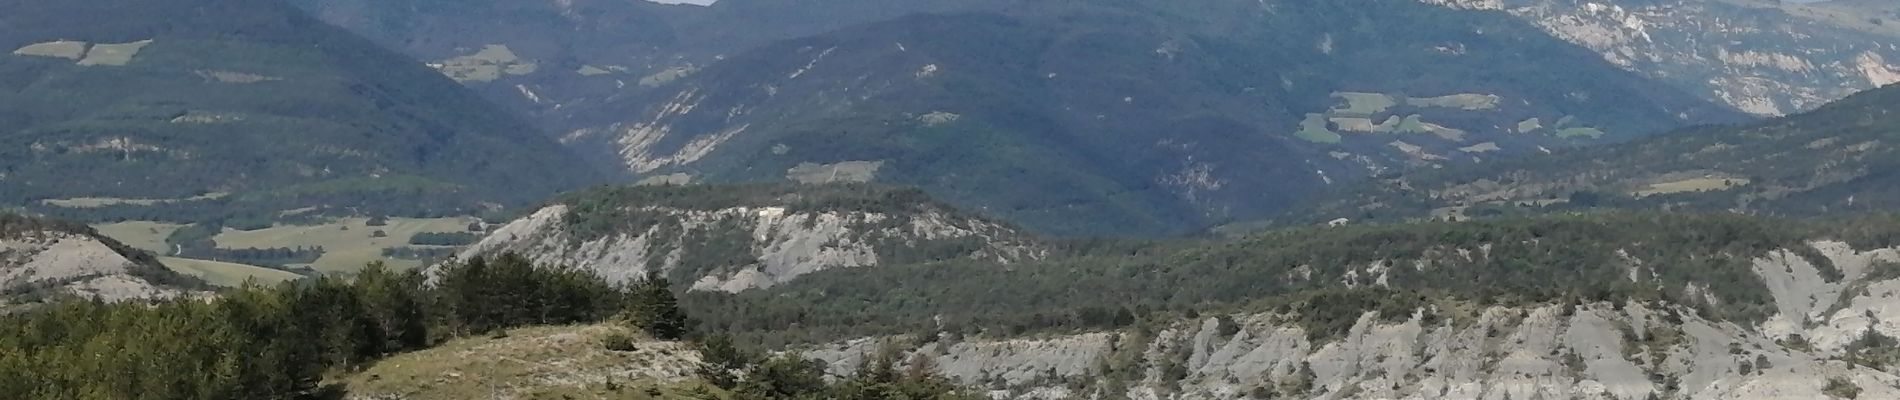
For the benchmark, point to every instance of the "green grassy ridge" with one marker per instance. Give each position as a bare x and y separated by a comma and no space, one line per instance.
1530,261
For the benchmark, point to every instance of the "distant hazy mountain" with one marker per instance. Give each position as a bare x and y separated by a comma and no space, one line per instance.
1836,159
1105,116
195,109
550,58
1765,57
1140,117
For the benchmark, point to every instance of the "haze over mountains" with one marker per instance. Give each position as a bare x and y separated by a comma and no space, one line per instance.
1833,160
949,199
207,109
1763,57
1185,114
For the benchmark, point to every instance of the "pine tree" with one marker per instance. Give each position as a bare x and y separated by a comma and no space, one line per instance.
657,311
719,361
788,376
397,315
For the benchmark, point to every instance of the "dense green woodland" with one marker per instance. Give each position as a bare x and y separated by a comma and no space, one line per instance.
278,342
281,342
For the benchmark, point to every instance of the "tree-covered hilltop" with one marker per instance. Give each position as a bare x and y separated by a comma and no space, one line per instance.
178,109
1837,159
1326,275
282,342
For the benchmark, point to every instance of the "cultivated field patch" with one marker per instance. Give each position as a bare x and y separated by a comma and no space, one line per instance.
667,76
143,235
113,54
67,49
1580,132
486,65
1530,125
227,274
1313,129
848,171
348,244
96,202
1708,184
1463,101
1485,147
1363,104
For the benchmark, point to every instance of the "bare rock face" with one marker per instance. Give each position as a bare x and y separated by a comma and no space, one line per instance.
733,249
51,260
1621,351
1762,57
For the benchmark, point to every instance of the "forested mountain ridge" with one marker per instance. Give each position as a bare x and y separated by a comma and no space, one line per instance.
1600,306
1765,57
44,259
536,58
201,109
1133,116
1098,117
735,238
554,60
1834,160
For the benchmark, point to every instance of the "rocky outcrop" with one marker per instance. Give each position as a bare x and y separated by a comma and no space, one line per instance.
1759,57
51,259
1622,351
733,249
